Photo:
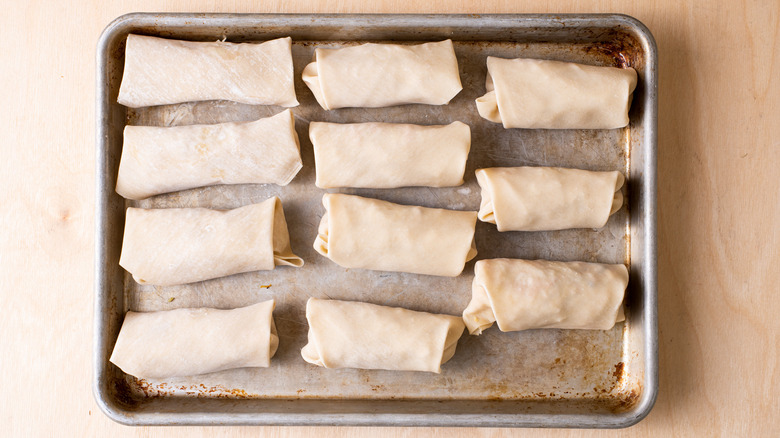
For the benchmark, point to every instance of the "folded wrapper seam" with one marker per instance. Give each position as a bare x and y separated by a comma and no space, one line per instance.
283,255
311,77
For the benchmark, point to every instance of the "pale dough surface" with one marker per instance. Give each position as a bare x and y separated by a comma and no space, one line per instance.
365,233
160,71
172,246
379,75
167,159
548,198
389,155
188,342
530,294
350,334
540,94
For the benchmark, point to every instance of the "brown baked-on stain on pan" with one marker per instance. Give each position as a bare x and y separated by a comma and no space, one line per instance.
621,49
619,369
199,390
627,402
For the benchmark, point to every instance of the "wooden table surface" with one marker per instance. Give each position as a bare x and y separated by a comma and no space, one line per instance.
718,213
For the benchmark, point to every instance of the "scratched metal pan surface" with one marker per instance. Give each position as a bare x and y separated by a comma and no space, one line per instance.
535,378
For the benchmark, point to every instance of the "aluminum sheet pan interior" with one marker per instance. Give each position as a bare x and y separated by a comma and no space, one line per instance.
533,378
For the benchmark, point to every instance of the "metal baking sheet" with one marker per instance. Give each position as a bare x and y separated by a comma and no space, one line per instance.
545,378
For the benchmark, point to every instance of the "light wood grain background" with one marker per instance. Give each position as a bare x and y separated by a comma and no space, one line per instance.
718,211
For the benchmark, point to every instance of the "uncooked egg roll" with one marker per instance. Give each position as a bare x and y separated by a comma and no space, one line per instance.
161,71
350,334
379,75
540,94
531,294
366,233
172,246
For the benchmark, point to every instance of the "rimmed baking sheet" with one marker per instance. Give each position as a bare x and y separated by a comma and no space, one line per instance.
555,378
